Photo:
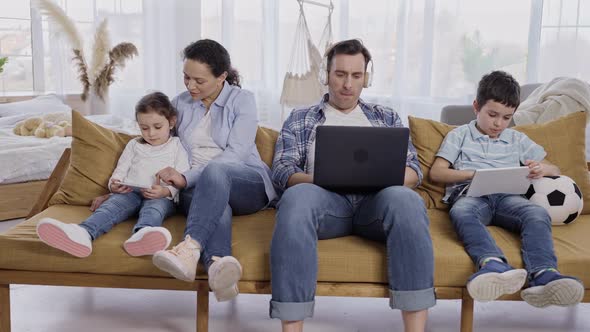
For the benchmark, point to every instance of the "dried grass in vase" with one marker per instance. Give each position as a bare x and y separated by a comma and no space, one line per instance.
105,60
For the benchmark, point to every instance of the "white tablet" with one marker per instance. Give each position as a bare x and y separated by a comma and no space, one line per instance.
134,185
509,180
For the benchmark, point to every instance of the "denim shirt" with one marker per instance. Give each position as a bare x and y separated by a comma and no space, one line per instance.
299,130
234,122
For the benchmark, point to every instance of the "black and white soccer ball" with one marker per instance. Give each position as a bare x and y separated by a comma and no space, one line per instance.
559,195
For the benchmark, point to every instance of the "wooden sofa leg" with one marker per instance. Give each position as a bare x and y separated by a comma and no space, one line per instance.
466,313
4,308
202,307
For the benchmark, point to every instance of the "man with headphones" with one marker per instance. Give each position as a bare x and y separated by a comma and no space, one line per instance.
306,212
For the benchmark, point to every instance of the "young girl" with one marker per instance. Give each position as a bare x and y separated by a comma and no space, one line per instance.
142,158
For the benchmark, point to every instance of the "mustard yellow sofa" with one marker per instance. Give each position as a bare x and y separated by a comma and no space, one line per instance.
348,266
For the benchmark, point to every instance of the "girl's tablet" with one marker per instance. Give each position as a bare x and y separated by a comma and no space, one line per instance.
134,185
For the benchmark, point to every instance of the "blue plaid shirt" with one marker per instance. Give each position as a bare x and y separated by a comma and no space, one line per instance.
298,134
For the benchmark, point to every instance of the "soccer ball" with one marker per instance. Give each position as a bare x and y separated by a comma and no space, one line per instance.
559,195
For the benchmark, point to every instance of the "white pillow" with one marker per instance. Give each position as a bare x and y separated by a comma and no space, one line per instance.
42,104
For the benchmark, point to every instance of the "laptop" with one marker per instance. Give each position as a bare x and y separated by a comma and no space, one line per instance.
360,159
507,180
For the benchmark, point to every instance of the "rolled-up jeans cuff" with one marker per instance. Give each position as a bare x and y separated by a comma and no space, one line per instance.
414,300
291,310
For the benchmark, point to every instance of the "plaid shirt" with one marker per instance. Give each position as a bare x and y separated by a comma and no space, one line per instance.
298,134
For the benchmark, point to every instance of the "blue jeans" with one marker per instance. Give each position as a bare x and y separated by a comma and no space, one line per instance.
471,215
308,213
120,207
221,191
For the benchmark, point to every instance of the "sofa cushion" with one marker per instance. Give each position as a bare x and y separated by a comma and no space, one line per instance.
95,152
563,139
427,136
346,259
265,143
565,142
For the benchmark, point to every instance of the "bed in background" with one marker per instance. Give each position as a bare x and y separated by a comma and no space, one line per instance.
26,162
22,179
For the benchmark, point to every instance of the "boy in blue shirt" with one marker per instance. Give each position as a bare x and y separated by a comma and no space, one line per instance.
487,143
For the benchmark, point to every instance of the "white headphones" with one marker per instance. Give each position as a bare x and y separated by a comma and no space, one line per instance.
323,74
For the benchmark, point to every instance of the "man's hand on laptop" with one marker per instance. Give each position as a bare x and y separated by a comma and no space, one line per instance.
298,178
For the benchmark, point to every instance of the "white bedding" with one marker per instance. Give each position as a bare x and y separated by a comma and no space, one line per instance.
28,158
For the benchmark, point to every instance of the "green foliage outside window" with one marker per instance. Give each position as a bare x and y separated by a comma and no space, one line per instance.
2,62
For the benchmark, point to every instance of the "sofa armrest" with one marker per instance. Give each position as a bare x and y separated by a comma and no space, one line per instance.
52,184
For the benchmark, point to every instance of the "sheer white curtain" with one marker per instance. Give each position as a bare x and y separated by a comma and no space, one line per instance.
564,45
432,53
427,53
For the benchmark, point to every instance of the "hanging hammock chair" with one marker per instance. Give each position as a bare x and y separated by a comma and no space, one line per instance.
301,86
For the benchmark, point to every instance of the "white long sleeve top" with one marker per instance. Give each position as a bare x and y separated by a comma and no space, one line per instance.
140,162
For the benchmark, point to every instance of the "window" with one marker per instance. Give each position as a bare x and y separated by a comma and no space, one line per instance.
40,62
431,53
15,43
565,40
124,24
487,37
426,53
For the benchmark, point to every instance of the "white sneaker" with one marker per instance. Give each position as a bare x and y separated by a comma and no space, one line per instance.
224,274
148,241
490,286
552,288
70,238
181,261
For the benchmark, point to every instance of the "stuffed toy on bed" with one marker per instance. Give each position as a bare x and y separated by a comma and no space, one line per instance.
48,125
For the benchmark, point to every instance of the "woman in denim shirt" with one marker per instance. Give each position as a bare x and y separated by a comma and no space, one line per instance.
217,123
